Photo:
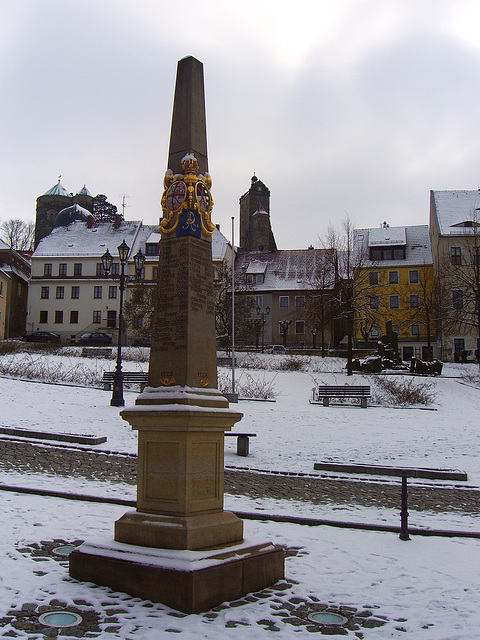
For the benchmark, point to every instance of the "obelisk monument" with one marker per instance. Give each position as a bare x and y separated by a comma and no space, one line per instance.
179,546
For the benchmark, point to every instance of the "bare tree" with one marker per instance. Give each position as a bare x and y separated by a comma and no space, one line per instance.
18,234
349,260
321,297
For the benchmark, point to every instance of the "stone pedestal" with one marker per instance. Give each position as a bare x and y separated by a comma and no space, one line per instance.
189,581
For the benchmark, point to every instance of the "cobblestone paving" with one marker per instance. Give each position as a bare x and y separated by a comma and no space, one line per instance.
66,461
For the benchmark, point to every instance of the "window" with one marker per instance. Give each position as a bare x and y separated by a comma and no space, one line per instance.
259,278
394,302
45,293
151,249
393,277
414,301
62,269
60,293
77,269
43,317
73,317
155,273
375,331
116,269
100,269
387,253
141,274
97,317
415,330
456,255
19,290
457,299
47,269
373,278
374,302
1,287
111,319
476,256
249,278
112,292
299,301
75,292
137,322
58,317
283,302
259,301
97,292
413,276
299,326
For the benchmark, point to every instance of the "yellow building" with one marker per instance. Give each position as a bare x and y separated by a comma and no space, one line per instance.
397,284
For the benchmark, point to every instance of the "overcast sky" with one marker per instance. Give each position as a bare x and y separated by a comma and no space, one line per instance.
355,107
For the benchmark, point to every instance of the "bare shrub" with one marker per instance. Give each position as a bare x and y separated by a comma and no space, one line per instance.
389,390
292,363
248,386
37,367
9,346
471,378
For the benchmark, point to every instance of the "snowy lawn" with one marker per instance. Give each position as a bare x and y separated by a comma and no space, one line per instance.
426,588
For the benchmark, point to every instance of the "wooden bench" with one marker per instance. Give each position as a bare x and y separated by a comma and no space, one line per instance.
243,445
325,392
96,352
140,377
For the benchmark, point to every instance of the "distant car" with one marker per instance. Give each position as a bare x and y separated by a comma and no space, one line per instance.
93,339
42,336
276,349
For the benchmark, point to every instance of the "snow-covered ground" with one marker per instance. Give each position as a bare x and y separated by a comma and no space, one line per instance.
426,588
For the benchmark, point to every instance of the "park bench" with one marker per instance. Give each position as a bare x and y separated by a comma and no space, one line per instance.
96,352
243,446
325,392
140,377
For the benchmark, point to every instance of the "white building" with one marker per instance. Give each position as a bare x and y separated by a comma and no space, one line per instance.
69,292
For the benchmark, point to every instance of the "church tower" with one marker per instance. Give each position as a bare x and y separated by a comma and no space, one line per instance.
255,228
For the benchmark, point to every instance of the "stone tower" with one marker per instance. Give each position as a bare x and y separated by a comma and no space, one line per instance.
255,228
52,202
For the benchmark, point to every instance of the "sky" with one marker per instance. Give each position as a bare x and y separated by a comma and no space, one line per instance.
340,107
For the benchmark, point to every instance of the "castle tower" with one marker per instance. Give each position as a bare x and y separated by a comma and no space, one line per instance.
48,206
255,227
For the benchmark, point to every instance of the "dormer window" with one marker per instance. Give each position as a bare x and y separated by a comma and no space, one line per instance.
151,249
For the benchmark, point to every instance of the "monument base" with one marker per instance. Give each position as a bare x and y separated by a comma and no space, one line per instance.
189,581
179,532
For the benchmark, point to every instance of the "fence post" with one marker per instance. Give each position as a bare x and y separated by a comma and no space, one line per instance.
404,512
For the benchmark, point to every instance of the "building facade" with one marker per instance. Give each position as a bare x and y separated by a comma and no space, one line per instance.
455,238
16,269
398,285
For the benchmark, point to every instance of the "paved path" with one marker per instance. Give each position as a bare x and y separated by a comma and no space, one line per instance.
114,467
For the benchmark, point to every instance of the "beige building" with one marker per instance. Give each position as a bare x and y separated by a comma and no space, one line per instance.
4,285
455,239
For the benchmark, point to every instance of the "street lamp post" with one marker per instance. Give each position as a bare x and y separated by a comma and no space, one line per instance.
284,324
263,314
107,261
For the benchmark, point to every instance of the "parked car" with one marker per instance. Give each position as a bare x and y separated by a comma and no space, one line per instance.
93,339
42,336
276,349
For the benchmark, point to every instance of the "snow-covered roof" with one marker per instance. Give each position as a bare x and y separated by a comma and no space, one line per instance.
57,190
385,236
153,238
3,245
416,242
84,192
219,245
3,271
455,211
284,270
77,239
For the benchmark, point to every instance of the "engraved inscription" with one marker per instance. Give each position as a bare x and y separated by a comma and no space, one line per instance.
161,481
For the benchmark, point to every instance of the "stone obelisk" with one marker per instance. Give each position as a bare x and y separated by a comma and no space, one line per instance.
179,546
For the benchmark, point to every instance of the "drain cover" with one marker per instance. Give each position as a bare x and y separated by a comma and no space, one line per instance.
60,619
325,617
64,550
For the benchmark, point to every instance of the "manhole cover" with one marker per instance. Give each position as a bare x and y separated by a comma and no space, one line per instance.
64,550
60,619
325,617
